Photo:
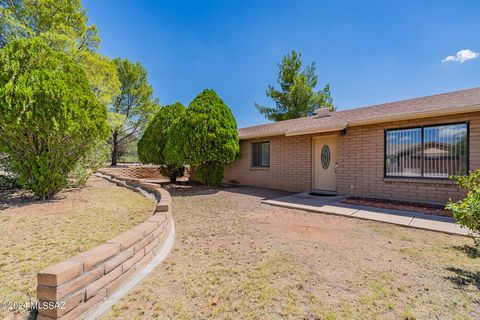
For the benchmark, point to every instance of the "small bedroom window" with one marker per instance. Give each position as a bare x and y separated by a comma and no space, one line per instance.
261,154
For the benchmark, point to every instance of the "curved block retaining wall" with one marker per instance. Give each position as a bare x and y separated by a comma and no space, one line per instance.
93,280
134,171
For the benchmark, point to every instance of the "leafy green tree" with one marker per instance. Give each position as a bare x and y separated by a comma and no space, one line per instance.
297,96
467,211
63,24
101,73
151,145
48,114
132,108
205,137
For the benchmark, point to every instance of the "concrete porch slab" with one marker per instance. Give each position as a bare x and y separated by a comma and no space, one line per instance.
319,209
333,205
305,201
401,218
336,209
438,225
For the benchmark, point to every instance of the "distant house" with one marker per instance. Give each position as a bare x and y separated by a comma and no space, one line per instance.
404,150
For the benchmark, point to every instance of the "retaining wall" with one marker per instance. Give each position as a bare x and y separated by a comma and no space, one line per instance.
92,280
134,171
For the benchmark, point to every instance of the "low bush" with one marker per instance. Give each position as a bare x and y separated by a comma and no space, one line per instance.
467,211
172,172
8,178
210,173
96,158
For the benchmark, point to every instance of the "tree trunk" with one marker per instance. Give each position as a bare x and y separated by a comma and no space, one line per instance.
114,149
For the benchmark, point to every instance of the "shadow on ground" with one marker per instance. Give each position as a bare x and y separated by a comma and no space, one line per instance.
464,277
17,198
470,251
186,189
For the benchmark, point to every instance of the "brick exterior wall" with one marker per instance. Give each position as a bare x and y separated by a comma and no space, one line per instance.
290,164
360,159
77,286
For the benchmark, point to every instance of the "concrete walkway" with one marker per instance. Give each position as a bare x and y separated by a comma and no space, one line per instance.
333,205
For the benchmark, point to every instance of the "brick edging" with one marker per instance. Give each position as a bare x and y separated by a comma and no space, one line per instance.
88,284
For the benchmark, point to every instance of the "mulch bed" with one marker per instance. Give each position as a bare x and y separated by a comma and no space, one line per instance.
399,205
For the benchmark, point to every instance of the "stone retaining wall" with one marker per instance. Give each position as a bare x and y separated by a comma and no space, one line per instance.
80,285
134,171
141,171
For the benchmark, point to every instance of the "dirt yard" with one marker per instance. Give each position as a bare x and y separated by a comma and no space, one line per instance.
236,258
36,234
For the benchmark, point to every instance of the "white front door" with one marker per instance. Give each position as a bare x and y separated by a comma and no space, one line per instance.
324,165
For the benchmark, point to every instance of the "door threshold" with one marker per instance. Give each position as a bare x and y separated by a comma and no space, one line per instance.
323,193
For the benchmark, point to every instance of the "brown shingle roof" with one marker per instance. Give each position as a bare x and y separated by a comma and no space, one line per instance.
446,103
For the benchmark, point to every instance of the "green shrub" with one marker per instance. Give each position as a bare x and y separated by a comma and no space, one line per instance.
172,172
95,158
205,137
151,146
211,173
49,115
467,211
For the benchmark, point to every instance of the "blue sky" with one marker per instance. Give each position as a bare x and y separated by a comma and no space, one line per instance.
368,51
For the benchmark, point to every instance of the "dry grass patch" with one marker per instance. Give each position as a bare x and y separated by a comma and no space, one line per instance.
236,258
36,234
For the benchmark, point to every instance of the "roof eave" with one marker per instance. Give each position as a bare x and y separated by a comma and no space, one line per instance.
259,136
416,115
318,130
409,116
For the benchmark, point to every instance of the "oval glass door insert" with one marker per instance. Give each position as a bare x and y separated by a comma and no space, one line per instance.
325,157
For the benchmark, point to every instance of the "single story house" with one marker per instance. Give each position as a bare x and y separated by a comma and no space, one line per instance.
404,150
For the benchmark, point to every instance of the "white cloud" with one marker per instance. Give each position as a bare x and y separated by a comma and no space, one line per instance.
406,139
462,56
454,133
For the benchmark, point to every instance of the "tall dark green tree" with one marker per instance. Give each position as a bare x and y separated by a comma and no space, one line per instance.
132,109
297,96
205,137
151,146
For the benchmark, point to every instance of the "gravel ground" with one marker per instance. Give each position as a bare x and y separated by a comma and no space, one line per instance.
36,234
236,258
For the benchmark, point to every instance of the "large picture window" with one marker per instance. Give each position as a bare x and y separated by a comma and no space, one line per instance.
261,154
427,152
